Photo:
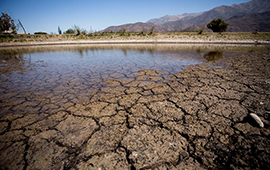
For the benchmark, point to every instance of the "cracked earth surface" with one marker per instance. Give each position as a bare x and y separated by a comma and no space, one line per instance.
196,119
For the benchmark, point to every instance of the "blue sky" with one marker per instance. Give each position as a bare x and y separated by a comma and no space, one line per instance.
95,15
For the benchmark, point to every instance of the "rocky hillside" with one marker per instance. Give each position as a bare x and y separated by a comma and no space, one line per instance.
235,13
136,27
243,23
250,22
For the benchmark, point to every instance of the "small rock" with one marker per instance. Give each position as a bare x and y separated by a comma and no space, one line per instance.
257,119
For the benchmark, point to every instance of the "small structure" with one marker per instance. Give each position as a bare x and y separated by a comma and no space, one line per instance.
8,32
22,33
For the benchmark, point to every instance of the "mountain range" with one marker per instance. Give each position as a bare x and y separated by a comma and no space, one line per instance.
243,17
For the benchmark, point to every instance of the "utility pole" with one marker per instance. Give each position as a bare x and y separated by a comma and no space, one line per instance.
22,26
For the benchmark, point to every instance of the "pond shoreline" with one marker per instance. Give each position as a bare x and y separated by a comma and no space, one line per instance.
163,41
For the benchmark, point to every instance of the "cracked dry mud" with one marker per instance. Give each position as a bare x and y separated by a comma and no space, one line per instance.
196,119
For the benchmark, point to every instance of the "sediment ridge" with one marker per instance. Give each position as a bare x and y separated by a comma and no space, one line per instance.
149,41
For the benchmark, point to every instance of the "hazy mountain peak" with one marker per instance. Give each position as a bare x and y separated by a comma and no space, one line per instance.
170,18
164,19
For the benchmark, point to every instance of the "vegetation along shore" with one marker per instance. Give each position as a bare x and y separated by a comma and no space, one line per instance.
114,38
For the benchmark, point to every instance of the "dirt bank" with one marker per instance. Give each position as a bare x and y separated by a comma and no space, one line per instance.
135,38
140,41
196,119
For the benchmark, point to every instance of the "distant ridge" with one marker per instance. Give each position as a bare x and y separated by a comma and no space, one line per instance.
235,14
243,23
250,22
136,27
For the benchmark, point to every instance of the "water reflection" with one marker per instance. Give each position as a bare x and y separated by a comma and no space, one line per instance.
14,62
131,47
213,56
19,59
81,52
125,51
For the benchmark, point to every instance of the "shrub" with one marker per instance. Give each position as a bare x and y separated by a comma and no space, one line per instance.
255,31
142,32
151,30
70,31
201,31
40,33
102,34
83,32
78,31
122,32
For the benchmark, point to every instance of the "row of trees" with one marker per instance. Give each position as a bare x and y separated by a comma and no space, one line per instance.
7,24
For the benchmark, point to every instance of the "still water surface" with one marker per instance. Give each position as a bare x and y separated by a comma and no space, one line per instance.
73,72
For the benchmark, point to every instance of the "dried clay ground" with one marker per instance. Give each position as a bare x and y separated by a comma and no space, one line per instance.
196,119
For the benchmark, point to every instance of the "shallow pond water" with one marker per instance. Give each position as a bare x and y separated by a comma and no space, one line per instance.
37,76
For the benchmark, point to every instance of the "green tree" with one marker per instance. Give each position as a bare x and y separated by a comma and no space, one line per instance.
59,30
6,23
217,25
